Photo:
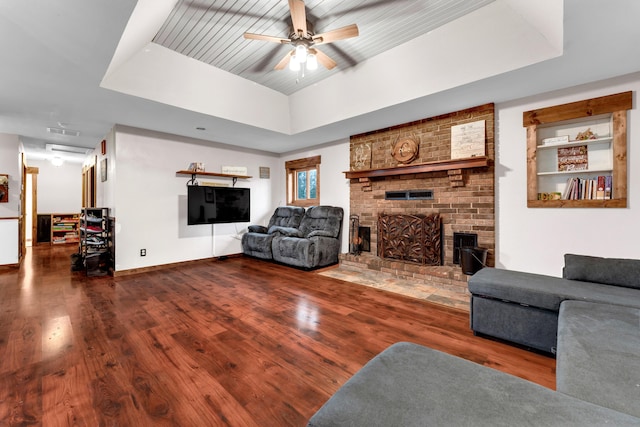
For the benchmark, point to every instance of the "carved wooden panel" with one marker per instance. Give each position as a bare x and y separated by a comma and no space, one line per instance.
410,238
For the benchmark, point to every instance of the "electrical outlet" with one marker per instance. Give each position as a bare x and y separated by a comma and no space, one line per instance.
143,252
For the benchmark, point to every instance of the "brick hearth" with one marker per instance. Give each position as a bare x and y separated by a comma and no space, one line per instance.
464,198
443,277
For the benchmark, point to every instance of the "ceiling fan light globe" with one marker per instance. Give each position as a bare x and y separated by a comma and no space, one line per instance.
294,65
301,53
312,62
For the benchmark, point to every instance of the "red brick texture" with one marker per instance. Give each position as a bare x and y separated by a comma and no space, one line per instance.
463,197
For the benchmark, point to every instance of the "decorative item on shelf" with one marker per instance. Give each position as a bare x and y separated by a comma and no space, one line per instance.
4,188
556,140
214,184
234,170
196,167
550,196
361,157
468,140
585,135
405,150
573,158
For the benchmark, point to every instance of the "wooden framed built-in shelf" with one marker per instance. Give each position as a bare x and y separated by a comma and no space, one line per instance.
212,174
440,165
553,128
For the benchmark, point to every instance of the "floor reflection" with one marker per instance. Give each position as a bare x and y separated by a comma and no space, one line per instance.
307,315
57,336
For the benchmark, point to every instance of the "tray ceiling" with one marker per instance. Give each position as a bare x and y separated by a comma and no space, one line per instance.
212,32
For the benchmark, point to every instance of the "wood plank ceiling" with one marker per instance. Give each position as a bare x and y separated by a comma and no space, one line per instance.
211,31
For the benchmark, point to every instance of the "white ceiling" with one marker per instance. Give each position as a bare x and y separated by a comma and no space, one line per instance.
212,32
86,66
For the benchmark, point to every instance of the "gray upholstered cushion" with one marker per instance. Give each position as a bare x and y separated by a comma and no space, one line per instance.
410,385
286,216
322,233
257,229
257,242
325,218
286,231
546,292
257,245
599,354
610,271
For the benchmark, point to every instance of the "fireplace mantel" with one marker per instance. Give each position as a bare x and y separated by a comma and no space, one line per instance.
441,165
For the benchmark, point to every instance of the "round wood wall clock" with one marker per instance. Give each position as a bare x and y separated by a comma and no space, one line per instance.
405,150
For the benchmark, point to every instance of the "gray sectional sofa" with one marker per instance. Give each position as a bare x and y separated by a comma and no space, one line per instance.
590,319
294,236
524,307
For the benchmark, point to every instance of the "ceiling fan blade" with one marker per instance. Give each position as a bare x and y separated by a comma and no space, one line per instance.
298,17
334,35
283,62
327,62
263,37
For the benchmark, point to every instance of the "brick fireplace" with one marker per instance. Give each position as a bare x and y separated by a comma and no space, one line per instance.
460,191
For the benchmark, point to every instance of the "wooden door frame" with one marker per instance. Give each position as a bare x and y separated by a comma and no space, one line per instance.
89,185
33,171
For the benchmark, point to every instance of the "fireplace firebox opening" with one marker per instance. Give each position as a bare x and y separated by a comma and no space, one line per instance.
359,236
462,240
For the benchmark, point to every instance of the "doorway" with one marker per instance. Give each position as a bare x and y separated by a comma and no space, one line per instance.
31,205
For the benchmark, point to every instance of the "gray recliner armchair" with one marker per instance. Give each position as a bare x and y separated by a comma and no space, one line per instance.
257,241
316,243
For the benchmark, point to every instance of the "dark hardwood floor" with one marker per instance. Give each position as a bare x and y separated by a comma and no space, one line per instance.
238,342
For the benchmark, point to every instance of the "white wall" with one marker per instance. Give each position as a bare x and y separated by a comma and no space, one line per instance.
10,165
535,239
59,187
10,211
334,187
105,190
151,200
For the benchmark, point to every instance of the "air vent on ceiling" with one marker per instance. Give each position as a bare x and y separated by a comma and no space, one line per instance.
67,149
65,132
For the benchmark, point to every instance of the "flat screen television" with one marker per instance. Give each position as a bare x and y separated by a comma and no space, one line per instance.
214,205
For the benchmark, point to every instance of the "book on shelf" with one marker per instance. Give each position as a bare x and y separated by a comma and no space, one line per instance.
597,188
607,187
567,189
600,191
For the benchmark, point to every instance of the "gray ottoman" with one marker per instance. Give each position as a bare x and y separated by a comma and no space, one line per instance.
411,385
598,347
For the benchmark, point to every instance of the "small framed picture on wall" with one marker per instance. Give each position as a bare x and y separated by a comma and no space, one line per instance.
4,188
103,170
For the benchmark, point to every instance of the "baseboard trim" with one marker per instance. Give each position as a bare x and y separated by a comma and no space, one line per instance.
9,267
129,272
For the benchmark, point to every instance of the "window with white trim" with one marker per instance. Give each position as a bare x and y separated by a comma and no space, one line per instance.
303,181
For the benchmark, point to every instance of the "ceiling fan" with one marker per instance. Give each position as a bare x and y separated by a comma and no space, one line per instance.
304,41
